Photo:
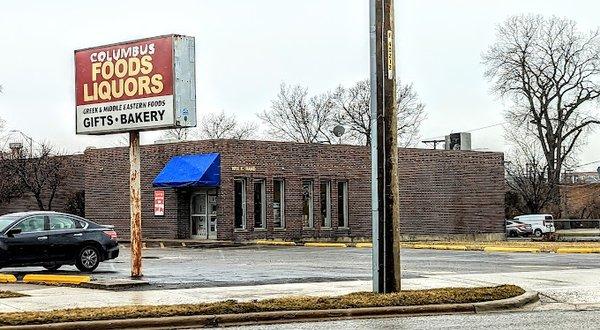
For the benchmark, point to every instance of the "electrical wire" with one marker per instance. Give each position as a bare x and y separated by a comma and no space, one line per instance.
470,131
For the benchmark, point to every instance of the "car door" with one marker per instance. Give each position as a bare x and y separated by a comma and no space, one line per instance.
31,245
64,237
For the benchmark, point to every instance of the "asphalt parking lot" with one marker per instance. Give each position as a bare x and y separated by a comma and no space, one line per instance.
187,268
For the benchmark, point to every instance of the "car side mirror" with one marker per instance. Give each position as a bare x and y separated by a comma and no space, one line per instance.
13,232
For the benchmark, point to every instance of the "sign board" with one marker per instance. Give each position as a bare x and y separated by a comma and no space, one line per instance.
159,202
137,85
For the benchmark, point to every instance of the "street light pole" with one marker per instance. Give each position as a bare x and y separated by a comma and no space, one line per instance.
384,150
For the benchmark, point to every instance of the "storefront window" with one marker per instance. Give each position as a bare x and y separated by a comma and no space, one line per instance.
325,197
278,204
343,204
240,203
259,204
307,203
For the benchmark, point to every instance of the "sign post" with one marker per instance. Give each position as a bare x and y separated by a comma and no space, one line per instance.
134,86
136,203
384,150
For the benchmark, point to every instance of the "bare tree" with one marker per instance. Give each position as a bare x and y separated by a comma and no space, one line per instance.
179,134
549,71
294,116
219,125
353,111
10,186
526,175
225,126
40,175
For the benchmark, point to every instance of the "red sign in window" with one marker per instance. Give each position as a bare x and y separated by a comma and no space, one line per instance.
159,202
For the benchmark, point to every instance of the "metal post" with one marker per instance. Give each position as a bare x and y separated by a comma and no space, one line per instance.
376,261
136,204
385,186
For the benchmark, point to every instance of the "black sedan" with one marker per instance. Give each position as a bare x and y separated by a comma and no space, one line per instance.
52,239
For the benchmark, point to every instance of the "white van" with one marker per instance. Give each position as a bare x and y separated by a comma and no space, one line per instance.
540,223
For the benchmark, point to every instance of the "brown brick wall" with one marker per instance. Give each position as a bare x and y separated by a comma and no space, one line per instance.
443,192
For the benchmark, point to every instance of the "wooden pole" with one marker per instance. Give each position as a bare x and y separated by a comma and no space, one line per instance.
393,186
386,219
136,204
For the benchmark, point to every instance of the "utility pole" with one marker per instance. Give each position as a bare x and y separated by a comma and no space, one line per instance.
136,204
384,152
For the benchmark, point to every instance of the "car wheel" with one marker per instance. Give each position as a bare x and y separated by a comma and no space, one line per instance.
52,267
538,233
88,259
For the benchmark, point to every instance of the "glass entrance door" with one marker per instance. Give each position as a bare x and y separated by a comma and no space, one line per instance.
198,216
203,217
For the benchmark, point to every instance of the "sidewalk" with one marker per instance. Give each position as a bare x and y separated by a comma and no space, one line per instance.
49,297
565,289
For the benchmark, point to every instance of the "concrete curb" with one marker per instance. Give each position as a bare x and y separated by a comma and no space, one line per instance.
440,247
510,249
364,245
578,250
324,244
8,278
278,243
56,279
290,316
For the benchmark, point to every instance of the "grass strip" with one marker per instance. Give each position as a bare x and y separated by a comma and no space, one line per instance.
10,294
353,300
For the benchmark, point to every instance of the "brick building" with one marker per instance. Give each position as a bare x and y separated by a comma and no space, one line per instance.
294,191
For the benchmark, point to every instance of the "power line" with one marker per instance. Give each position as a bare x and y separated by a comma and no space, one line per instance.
590,163
472,130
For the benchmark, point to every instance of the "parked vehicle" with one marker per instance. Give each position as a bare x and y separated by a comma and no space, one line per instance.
516,228
542,224
52,239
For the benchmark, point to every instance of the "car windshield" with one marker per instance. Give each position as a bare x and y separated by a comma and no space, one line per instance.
6,220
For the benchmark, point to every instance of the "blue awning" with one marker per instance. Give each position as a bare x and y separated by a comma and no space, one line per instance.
201,170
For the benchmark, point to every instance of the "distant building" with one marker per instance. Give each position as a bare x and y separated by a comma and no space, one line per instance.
581,177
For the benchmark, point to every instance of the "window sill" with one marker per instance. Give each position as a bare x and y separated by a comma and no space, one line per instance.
279,229
343,228
308,228
240,230
260,229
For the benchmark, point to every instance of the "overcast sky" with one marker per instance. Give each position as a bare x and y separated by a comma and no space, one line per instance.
246,48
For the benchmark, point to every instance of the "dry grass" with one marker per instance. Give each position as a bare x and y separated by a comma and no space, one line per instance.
354,300
10,294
